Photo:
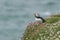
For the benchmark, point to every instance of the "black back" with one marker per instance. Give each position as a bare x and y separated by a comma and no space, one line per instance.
40,18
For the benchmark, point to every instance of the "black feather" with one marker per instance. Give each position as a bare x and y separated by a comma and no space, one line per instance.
40,18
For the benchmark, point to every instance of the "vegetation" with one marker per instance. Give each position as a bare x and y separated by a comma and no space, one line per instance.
50,30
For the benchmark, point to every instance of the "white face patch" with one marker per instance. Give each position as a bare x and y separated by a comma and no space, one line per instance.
37,14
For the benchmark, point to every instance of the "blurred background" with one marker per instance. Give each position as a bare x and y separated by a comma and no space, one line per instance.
16,14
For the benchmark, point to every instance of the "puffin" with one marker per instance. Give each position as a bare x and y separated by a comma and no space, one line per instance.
39,18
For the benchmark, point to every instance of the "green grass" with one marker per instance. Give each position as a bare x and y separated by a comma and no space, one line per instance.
53,19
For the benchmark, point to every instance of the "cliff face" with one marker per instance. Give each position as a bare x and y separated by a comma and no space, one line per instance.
50,30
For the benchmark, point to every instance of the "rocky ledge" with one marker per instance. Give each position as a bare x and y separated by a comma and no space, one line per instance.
50,30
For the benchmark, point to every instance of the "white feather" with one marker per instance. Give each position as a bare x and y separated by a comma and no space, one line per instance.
38,19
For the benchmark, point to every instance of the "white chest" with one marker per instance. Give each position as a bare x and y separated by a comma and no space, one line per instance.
38,19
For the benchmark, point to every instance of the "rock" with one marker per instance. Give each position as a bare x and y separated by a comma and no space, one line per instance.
41,31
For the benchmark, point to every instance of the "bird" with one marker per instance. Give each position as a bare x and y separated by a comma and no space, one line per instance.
39,18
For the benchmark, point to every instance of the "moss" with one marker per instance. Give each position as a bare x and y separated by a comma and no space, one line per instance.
50,30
